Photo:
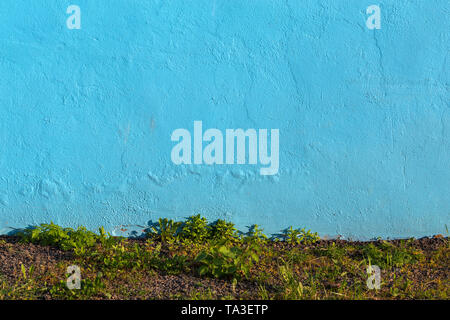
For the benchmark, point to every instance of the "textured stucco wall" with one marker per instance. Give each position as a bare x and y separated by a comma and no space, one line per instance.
364,116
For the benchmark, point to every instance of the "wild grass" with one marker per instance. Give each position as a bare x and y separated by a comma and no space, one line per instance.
217,262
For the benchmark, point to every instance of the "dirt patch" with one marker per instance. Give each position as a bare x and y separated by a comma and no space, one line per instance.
327,269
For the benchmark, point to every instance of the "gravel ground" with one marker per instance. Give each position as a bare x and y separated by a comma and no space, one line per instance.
50,262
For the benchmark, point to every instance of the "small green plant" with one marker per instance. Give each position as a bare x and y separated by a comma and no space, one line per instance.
64,238
388,255
168,229
195,229
26,274
256,234
334,252
223,262
297,255
263,294
292,235
292,288
89,288
296,236
173,265
222,230
106,239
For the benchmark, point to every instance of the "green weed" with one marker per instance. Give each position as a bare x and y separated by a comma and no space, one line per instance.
221,261
195,229
63,238
223,231
297,236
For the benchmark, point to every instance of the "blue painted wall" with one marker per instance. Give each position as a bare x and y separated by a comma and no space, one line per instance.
364,116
